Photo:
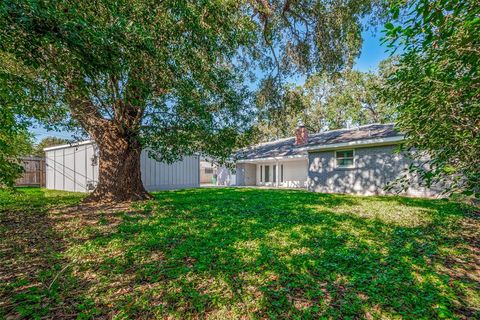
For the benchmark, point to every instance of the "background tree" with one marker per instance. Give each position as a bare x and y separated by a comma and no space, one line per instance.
45,143
325,102
167,75
15,142
437,87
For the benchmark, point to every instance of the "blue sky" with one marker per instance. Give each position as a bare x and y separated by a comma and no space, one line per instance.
372,53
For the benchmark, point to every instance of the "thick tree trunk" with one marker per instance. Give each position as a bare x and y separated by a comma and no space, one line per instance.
119,171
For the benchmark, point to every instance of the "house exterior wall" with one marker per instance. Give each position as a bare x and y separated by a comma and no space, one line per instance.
374,168
206,177
75,168
226,177
246,174
294,174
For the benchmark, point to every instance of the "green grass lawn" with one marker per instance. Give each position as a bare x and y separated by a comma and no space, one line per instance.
238,253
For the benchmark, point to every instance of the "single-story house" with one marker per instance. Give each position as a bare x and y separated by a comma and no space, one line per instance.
361,160
74,167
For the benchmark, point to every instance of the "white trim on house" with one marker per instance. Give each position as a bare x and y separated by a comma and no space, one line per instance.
295,173
333,146
303,162
294,157
357,143
68,145
345,167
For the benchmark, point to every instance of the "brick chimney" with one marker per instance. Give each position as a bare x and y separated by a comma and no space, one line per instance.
301,134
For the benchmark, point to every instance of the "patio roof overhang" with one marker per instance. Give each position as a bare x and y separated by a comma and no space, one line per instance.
270,159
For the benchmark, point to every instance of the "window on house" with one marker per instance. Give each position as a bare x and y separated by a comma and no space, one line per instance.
274,173
267,173
261,173
344,159
208,170
281,173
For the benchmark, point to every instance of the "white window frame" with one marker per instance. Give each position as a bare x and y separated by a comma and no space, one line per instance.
345,167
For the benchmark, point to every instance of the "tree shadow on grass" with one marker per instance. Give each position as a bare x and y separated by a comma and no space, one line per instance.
227,253
29,252
396,276
282,253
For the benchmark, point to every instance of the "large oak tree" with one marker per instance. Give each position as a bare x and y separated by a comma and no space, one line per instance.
436,86
170,76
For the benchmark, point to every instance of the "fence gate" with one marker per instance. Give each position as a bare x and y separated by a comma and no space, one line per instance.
34,174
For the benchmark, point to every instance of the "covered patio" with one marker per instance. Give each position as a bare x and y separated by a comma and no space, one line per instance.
281,172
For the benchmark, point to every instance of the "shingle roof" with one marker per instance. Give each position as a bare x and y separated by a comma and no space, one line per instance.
287,147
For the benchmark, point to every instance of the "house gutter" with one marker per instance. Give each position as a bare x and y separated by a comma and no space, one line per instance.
293,157
358,143
334,146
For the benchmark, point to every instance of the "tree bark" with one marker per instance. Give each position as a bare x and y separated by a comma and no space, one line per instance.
119,170
119,175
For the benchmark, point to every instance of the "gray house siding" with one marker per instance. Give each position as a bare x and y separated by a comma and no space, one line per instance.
246,174
375,167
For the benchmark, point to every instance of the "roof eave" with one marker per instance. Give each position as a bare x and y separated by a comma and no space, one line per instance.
266,159
357,143
74,144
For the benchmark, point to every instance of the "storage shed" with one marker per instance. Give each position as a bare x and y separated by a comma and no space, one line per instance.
74,167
